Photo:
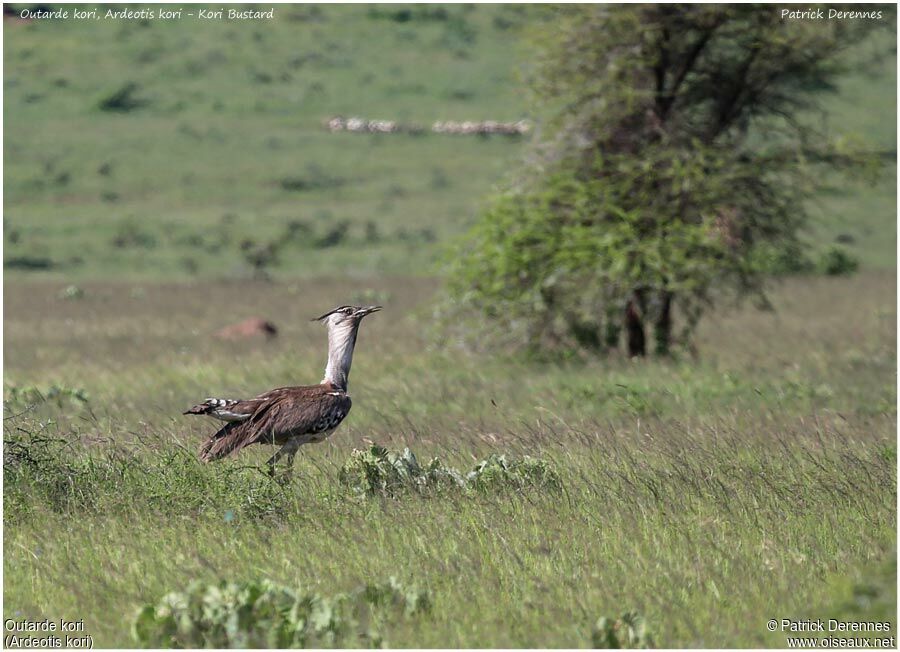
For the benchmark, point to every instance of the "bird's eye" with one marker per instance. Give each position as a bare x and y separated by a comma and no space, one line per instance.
348,311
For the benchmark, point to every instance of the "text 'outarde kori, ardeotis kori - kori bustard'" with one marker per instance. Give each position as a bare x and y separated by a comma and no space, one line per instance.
290,416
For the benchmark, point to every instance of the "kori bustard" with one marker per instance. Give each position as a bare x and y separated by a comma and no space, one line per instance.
290,416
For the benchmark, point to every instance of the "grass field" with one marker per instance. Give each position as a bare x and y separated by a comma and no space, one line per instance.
708,494
220,144
230,144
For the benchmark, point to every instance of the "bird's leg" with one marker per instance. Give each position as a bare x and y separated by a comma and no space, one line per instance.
274,459
294,444
289,449
290,462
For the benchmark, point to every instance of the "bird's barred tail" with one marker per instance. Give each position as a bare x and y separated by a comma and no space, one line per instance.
212,406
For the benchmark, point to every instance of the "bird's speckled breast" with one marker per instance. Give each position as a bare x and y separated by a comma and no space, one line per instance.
329,422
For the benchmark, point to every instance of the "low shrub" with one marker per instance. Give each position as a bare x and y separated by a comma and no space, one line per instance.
836,261
16,396
784,260
123,99
46,468
497,471
378,471
29,262
130,235
333,236
627,631
39,469
313,178
265,614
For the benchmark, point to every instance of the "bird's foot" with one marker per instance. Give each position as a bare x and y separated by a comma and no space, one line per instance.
286,477
283,476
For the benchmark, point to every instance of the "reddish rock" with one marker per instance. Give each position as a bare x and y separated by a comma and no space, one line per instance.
248,328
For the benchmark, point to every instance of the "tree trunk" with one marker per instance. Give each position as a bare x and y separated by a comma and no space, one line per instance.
612,328
663,326
634,327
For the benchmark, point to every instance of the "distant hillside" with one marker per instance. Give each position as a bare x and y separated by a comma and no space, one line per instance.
184,148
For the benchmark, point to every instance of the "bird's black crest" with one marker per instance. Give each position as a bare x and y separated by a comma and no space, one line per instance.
330,312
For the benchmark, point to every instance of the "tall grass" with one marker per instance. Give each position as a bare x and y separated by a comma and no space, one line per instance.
706,496
694,528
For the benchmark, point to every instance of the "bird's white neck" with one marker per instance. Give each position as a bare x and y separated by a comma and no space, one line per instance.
341,340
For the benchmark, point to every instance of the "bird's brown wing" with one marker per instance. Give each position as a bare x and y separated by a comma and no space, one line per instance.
280,415
227,409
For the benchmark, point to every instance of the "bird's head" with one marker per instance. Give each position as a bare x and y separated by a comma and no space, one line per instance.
346,316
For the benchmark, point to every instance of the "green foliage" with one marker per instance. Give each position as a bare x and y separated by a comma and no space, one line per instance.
39,466
835,261
794,259
411,13
265,614
783,259
627,631
497,472
378,471
43,468
568,256
24,396
673,172
314,178
131,235
29,263
123,100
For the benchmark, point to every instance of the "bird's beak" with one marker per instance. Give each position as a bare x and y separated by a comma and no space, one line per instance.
362,312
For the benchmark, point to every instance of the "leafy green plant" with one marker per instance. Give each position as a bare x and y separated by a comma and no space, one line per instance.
131,235
17,396
784,260
260,256
333,236
266,614
37,464
314,178
29,262
378,471
46,466
123,99
498,471
627,631
836,261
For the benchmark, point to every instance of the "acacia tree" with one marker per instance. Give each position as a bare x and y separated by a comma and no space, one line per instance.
675,155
